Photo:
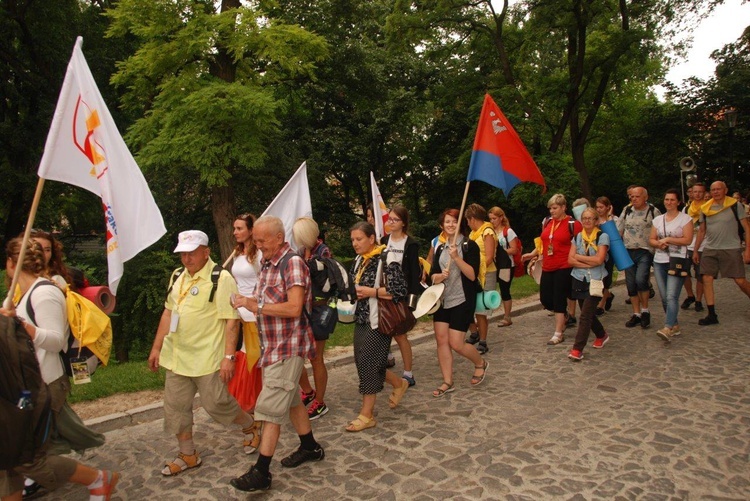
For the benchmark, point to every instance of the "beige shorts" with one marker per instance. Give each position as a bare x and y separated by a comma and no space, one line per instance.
52,472
727,262
279,393
179,392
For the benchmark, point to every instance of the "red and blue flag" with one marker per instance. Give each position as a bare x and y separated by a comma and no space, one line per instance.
499,157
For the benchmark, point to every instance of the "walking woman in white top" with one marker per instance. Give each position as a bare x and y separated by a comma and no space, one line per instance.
671,233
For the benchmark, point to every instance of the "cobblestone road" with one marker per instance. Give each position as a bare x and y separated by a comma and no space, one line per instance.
638,419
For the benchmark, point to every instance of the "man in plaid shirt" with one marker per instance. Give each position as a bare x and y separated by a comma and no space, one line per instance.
282,302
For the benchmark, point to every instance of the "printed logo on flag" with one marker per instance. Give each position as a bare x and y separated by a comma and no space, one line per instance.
85,118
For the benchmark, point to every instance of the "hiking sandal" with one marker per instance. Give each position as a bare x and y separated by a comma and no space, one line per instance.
182,463
251,441
505,322
477,380
440,392
109,481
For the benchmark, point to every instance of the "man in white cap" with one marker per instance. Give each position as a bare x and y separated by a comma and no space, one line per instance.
196,342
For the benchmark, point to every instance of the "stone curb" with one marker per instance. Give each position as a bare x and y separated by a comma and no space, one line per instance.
152,412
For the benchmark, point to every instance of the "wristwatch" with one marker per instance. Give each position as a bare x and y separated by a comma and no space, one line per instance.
260,307
231,358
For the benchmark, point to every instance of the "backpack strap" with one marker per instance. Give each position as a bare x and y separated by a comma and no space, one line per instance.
172,279
572,227
283,263
29,307
215,274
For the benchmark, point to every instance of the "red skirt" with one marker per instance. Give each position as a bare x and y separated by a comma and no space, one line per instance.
247,382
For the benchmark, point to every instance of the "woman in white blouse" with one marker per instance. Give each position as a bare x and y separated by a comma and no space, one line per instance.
671,233
49,332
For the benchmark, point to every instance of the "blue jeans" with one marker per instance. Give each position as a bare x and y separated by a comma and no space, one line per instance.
636,277
670,287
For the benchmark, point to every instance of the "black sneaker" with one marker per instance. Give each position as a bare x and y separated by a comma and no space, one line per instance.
473,338
599,312
307,397
391,361
645,319
482,347
301,455
570,320
698,306
687,302
608,302
253,480
709,320
634,320
30,490
628,301
651,291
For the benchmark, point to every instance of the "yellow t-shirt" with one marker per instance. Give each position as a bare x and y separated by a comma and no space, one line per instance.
478,237
196,348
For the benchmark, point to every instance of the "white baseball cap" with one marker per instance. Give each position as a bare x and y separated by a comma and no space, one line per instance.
189,240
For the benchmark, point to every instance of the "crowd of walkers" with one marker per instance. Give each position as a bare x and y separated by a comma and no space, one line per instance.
254,325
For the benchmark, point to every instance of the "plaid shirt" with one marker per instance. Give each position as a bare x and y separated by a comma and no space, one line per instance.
283,338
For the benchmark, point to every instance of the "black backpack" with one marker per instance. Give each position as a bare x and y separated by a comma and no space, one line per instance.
215,274
24,431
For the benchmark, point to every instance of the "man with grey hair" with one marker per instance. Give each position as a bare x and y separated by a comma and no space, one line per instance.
281,301
196,343
635,227
720,219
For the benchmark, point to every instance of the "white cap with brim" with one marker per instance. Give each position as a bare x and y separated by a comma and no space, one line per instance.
190,240
429,301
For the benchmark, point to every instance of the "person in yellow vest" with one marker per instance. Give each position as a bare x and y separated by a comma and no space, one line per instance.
693,209
720,218
483,233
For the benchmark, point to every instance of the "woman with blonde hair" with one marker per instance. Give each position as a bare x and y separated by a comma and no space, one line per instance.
48,330
587,256
509,242
306,233
247,382
558,231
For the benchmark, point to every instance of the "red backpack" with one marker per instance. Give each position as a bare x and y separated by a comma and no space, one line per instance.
519,269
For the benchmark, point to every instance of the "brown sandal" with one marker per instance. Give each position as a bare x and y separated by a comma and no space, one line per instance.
182,462
440,392
505,322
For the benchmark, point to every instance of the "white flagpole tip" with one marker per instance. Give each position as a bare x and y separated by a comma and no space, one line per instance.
79,42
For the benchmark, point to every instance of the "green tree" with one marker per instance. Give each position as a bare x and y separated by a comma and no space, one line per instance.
203,80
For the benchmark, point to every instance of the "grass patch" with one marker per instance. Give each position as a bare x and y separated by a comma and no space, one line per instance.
118,378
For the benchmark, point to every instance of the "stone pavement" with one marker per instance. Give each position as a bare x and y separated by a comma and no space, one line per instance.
639,419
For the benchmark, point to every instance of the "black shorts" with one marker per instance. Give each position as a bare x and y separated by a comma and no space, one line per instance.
458,318
555,289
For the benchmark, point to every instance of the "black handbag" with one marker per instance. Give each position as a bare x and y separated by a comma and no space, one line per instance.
678,266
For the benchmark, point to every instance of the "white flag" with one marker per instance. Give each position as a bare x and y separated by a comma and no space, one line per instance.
379,209
84,148
292,202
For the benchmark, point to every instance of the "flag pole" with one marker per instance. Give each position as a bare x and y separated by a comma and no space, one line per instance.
231,256
461,212
8,303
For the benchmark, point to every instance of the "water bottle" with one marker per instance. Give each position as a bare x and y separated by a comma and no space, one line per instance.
325,316
25,402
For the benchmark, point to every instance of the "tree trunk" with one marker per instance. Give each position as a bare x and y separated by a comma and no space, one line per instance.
223,212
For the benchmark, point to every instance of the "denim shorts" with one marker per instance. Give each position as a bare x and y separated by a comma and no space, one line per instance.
637,276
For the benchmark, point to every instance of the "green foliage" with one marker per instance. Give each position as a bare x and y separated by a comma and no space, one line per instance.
140,301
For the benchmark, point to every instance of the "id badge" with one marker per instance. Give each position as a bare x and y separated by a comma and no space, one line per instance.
174,321
549,250
80,370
